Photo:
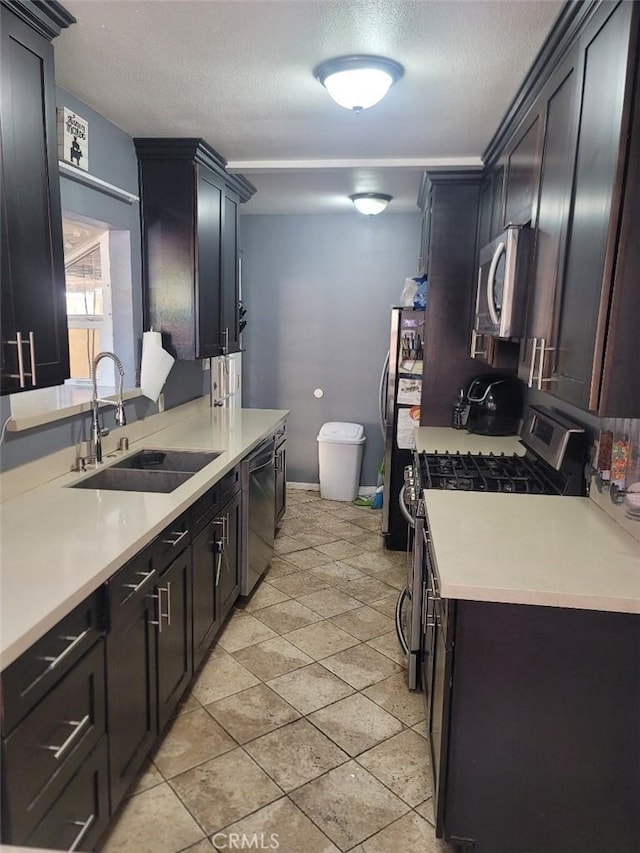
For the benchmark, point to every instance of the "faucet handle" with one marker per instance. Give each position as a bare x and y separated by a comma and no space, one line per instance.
104,431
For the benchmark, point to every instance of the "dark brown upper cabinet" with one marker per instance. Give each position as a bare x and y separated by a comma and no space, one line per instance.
35,346
190,245
522,172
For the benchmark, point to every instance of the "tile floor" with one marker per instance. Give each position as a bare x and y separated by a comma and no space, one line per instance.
299,733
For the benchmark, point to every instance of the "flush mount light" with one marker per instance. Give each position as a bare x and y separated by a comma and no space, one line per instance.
358,82
370,203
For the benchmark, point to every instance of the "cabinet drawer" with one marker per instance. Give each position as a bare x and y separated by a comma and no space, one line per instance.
46,749
215,497
80,815
171,542
124,589
29,678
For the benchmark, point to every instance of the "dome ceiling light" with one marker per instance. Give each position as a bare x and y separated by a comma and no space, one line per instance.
358,82
370,204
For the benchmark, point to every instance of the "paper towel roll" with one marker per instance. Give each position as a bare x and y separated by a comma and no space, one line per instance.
155,367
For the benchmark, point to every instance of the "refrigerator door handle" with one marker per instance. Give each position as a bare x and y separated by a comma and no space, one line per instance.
382,396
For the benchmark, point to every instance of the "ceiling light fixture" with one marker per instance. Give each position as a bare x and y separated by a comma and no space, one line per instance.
358,82
370,203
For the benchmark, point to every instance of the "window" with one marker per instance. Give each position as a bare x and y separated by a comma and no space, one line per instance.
89,303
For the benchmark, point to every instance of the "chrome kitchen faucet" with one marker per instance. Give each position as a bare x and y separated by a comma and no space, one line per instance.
98,432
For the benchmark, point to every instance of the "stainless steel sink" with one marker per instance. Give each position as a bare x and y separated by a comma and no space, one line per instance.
134,480
167,460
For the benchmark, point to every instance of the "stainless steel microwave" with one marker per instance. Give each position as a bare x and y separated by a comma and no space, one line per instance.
502,283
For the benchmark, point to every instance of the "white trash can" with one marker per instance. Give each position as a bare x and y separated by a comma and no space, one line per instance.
340,449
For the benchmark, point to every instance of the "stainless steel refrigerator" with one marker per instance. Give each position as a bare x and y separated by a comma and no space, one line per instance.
400,400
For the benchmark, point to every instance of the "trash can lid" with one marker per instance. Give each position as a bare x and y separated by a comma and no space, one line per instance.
342,433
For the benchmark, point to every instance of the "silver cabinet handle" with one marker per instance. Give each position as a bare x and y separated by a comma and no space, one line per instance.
136,586
53,662
218,567
166,615
474,352
78,726
175,541
543,349
20,359
222,522
532,368
32,356
85,826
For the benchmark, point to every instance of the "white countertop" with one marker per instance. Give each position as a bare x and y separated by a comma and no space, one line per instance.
59,544
441,439
532,549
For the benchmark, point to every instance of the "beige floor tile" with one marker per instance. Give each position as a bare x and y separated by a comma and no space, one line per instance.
221,676
186,704
310,688
287,616
341,529
387,605
204,846
224,790
394,696
190,740
365,623
395,576
372,562
329,602
152,822
299,583
340,549
303,495
402,764
315,536
421,728
279,568
390,646
411,832
348,804
252,713
338,572
425,810
287,545
243,630
296,754
264,596
367,589
321,640
272,658
360,666
356,723
368,541
148,777
349,512
371,522
280,822
308,558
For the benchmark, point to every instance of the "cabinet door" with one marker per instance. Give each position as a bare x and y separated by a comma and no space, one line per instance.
33,285
497,202
210,196
205,599
228,577
561,105
173,635
229,292
523,169
131,674
584,302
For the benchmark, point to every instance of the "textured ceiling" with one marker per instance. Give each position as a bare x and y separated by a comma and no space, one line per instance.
239,74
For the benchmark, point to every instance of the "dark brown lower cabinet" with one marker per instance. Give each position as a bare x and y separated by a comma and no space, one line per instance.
533,719
216,560
81,814
173,635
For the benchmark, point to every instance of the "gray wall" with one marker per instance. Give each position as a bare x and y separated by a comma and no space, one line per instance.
318,292
112,158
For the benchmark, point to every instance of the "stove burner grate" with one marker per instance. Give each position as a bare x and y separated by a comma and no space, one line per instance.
490,473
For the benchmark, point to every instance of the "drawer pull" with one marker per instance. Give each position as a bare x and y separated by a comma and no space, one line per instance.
78,726
218,566
136,586
175,541
53,662
85,826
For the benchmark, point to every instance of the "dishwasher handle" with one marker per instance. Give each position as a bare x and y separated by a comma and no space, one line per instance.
262,457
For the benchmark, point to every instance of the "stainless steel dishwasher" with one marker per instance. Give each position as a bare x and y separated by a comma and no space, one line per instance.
258,484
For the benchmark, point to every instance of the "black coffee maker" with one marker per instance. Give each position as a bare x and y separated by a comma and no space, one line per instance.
491,404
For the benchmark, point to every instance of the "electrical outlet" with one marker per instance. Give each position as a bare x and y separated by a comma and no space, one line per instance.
161,403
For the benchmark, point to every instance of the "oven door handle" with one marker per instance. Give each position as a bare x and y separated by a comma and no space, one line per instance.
403,509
